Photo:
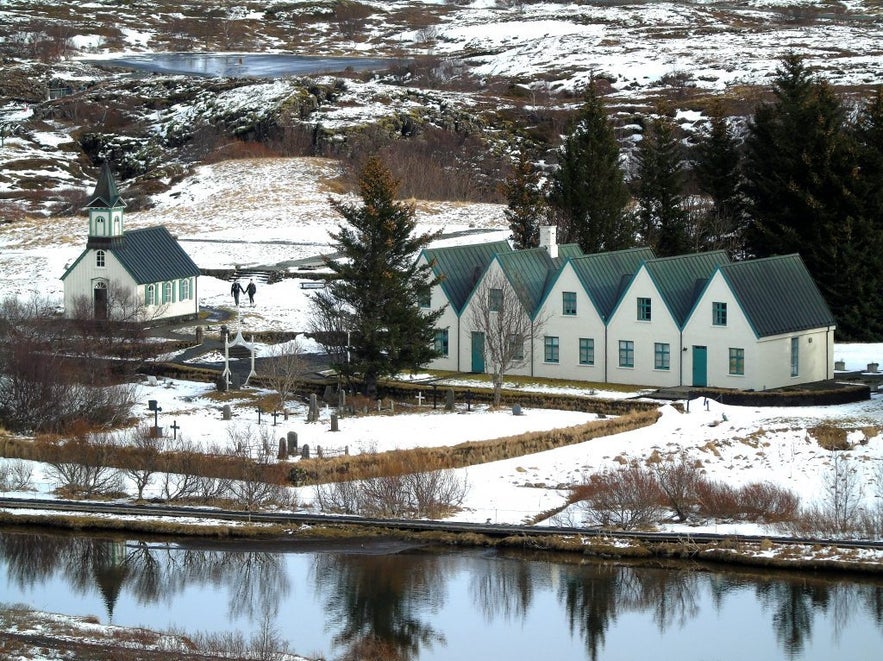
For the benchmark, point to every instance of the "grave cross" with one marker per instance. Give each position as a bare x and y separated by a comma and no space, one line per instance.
275,415
468,400
434,394
419,398
175,429
259,416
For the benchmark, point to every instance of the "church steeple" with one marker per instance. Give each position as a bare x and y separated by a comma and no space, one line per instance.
106,207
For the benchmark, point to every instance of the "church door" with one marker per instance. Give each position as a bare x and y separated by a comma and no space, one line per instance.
100,300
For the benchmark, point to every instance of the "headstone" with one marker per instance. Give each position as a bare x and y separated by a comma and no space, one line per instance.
516,409
346,450
334,426
313,411
872,367
319,451
283,449
221,384
151,380
328,397
292,442
449,400
840,365
392,406
285,414
235,381
379,404
226,412
305,451
200,334
341,400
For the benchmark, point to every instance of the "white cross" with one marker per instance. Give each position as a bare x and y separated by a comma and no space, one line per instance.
419,398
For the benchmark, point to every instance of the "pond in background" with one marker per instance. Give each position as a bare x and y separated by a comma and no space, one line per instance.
244,65
437,604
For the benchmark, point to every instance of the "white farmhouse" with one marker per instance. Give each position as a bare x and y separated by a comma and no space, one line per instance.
128,275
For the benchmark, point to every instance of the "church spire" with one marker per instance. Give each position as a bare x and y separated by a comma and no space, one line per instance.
106,195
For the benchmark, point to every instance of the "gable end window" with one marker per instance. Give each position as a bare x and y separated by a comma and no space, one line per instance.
495,300
719,313
100,259
424,299
550,349
661,356
626,353
516,346
644,309
737,361
586,351
568,303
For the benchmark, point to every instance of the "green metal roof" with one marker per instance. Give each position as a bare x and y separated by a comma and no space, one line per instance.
462,266
528,271
681,279
149,255
106,195
605,275
569,251
778,295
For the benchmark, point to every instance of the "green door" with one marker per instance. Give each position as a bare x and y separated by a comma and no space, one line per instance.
700,366
477,353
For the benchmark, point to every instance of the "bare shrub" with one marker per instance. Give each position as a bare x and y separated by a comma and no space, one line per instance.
626,498
677,479
718,500
145,451
842,493
339,497
180,469
435,493
15,475
384,496
768,502
253,454
82,468
285,370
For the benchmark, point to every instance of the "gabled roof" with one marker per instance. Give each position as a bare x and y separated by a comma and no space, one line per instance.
528,271
462,266
681,279
777,295
106,195
569,251
605,275
149,255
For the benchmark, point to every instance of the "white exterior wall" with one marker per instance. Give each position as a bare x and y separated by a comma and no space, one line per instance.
767,360
624,325
80,283
569,329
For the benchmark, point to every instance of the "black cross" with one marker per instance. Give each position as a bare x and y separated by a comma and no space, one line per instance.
259,416
434,393
175,429
468,400
275,415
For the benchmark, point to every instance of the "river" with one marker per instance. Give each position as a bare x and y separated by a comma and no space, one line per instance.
437,603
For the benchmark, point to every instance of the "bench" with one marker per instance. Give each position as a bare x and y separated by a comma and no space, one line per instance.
313,284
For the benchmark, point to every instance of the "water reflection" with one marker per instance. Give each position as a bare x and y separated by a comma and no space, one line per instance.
401,604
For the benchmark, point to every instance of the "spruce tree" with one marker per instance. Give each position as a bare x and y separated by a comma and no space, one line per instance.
376,294
659,190
716,161
802,189
588,192
525,203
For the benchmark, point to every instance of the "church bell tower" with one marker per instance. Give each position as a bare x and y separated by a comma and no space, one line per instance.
105,211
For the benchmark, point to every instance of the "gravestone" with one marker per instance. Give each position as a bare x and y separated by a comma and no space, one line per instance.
221,384
328,396
200,335
292,442
319,451
334,426
449,400
305,451
392,406
840,365
285,414
516,409
341,400
226,413
283,449
313,411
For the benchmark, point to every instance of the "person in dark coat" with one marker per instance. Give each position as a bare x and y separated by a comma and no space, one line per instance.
236,289
250,290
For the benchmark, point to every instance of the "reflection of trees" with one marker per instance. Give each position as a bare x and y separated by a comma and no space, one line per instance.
257,581
590,597
506,589
375,601
792,604
671,594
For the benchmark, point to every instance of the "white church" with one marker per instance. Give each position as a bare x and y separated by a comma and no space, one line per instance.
141,274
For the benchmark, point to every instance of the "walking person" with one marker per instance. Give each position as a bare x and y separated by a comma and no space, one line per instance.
236,289
250,290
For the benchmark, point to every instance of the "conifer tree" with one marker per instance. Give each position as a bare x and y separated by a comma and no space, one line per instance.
716,161
803,194
660,190
588,192
375,297
525,202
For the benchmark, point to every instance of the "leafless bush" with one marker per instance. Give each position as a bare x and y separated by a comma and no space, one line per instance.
83,469
180,471
768,502
718,500
842,493
339,497
253,455
15,475
434,493
285,369
626,498
678,479
146,449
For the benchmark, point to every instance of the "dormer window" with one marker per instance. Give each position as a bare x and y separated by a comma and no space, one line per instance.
100,259
99,226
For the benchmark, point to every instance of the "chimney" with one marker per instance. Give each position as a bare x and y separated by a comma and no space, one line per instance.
549,239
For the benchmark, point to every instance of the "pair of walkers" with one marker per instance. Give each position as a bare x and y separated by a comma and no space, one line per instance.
237,289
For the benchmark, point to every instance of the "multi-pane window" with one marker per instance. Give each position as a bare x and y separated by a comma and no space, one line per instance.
586,351
626,353
516,346
795,356
661,356
150,295
719,313
184,289
495,300
550,349
643,309
441,341
424,300
100,259
737,361
568,303
167,292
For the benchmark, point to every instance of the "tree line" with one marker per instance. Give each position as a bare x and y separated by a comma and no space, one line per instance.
805,176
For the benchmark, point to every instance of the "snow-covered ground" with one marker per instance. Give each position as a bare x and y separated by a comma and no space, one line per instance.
735,444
